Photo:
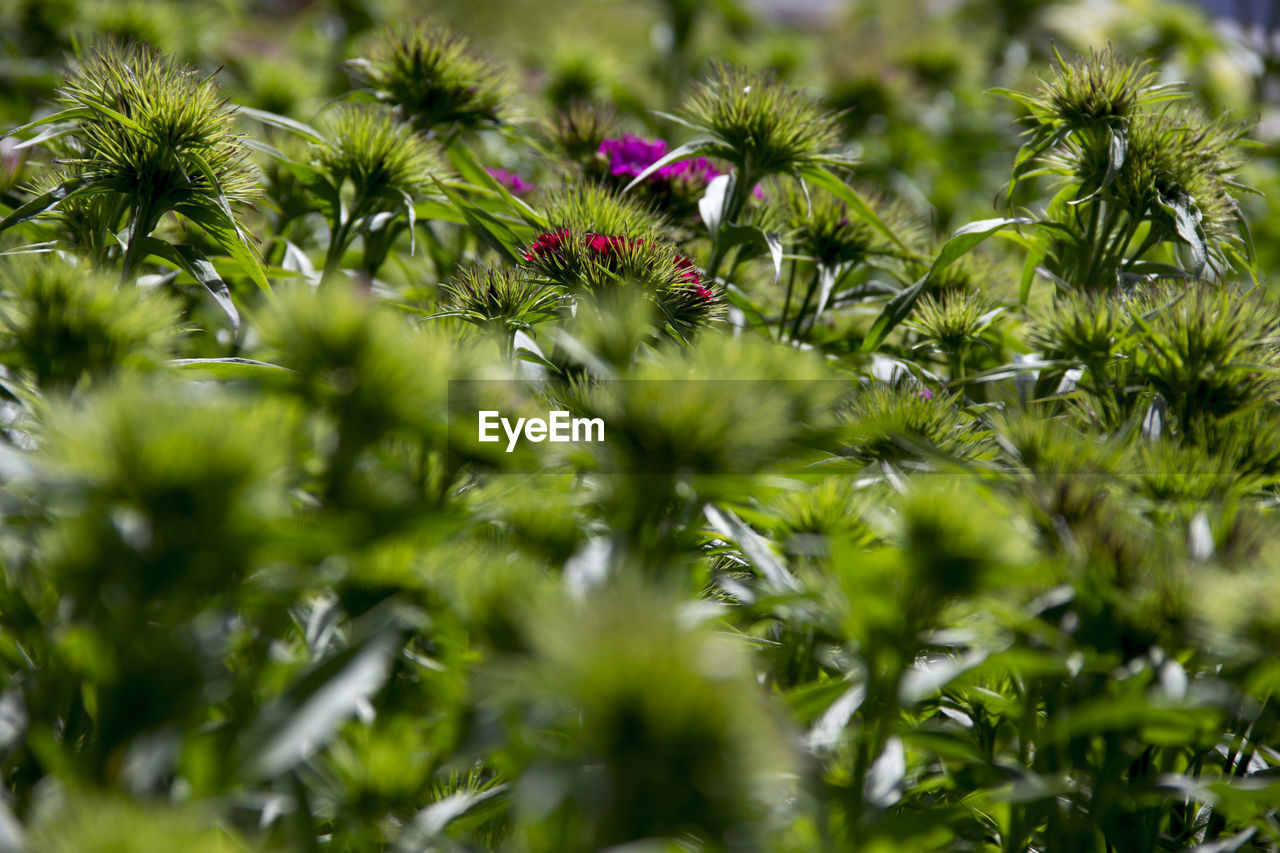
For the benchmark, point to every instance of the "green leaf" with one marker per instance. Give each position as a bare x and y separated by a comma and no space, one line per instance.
430,824
499,237
689,149
271,119
63,115
1186,221
47,200
711,205
961,242
464,161
227,235
229,368
192,261
303,720
827,278
755,548
753,237
224,205
858,206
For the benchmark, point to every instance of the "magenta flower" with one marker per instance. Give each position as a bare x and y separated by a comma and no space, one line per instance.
513,183
629,156
550,242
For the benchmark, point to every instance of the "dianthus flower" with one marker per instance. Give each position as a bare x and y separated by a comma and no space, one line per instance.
550,242
513,183
631,155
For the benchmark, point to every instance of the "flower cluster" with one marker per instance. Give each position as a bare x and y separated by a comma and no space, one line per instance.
613,252
629,156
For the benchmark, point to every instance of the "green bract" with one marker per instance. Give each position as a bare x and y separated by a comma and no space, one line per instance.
434,78
760,125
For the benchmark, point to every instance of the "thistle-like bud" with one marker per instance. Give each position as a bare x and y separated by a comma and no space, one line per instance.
434,78
62,324
759,124
498,297
378,155
156,128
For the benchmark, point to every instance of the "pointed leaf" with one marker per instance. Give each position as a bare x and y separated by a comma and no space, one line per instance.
689,149
464,161
857,205
711,205
229,368
961,242
228,236
306,131
47,200
304,719
53,118
754,547
192,261
827,278
498,236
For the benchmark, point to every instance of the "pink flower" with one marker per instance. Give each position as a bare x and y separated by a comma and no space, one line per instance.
688,271
550,242
513,183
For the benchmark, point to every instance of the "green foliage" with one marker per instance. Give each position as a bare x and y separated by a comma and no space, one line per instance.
911,528
63,324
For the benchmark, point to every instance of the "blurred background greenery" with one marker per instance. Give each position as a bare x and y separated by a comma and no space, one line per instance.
253,599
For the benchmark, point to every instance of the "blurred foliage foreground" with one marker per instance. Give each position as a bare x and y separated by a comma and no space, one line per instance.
984,558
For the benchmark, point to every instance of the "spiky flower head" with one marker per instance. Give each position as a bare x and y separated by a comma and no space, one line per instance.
1082,327
377,154
893,421
953,321
663,731
823,229
759,124
1104,126
498,297
1181,168
63,324
155,128
578,129
592,207
1209,351
434,77
1098,90
596,262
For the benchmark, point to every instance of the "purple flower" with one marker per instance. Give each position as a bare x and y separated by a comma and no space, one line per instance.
513,183
631,155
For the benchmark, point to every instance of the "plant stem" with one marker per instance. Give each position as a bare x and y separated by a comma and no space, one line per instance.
808,297
786,305
144,222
